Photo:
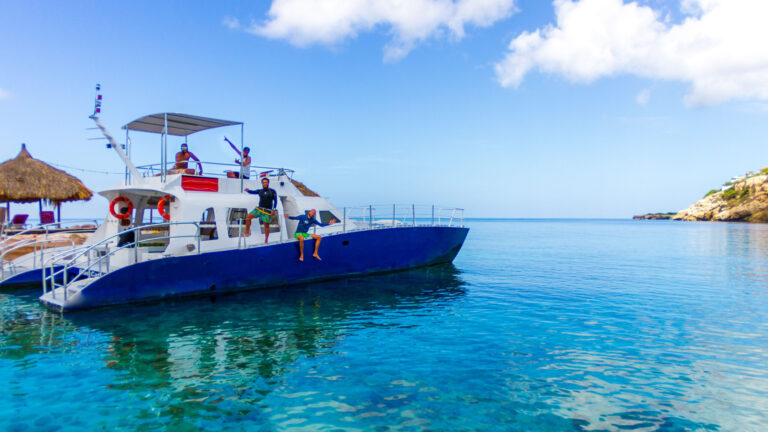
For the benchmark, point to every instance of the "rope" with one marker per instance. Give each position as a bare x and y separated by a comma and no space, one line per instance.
86,170
259,209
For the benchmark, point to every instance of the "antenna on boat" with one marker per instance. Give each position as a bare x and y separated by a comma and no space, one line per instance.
112,143
97,103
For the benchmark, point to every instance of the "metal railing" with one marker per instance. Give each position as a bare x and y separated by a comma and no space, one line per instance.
95,259
39,246
46,228
400,215
38,250
155,169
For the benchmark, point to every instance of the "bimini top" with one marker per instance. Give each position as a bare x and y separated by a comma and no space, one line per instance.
178,124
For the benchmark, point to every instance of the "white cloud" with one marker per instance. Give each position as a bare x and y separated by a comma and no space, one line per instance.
643,97
231,23
409,22
4,94
719,48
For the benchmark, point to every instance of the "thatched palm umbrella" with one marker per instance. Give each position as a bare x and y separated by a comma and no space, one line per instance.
304,189
25,179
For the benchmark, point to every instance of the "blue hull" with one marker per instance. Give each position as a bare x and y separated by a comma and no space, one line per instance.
346,254
31,279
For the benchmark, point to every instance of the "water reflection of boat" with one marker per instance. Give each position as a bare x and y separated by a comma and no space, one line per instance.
191,353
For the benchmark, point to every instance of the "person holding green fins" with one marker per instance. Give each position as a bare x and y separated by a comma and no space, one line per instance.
265,210
305,222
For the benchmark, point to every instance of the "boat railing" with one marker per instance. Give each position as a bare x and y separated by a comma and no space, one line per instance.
8,266
39,245
66,254
45,229
399,215
95,259
226,169
60,256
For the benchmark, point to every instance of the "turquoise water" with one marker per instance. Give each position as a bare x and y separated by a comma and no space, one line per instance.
539,325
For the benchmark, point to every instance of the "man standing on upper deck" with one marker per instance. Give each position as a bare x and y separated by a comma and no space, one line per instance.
245,165
265,210
182,158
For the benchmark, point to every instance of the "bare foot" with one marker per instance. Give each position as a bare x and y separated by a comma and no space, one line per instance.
301,258
317,257
246,234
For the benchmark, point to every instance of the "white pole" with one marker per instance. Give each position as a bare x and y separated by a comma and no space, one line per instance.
242,160
164,145
119,151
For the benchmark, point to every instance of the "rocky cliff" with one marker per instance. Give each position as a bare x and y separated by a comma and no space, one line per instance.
745,201
655,216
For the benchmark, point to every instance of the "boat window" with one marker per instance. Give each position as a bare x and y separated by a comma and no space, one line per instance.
236,221
326,216
208,225
149,215
152,239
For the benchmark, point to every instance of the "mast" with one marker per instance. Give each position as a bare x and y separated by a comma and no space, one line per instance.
112,143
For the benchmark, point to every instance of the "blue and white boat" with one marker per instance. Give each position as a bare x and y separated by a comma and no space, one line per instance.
24,254
198,248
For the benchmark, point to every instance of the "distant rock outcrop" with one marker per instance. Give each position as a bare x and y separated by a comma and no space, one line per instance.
745,200
655,216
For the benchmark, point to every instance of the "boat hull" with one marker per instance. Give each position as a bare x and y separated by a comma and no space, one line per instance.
344,254
31,278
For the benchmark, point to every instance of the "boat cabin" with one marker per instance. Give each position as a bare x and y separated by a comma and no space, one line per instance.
189,212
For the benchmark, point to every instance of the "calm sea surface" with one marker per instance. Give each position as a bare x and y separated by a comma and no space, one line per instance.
539,325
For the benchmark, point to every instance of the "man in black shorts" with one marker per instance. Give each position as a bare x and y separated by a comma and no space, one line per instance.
265,210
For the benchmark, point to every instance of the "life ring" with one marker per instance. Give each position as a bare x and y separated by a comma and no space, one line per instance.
161,207
117,215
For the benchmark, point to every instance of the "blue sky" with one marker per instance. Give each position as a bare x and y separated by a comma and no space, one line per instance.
447,119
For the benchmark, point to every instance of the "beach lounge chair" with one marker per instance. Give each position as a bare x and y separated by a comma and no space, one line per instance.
19,221
46,217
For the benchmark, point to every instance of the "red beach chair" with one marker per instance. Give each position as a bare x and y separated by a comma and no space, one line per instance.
46,217
19,221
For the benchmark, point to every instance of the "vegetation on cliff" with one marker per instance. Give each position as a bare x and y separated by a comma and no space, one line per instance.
743,199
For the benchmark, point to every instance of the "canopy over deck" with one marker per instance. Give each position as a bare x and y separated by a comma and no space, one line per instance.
178,124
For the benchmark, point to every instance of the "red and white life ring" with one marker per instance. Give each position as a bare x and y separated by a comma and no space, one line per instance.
161,207
120,215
